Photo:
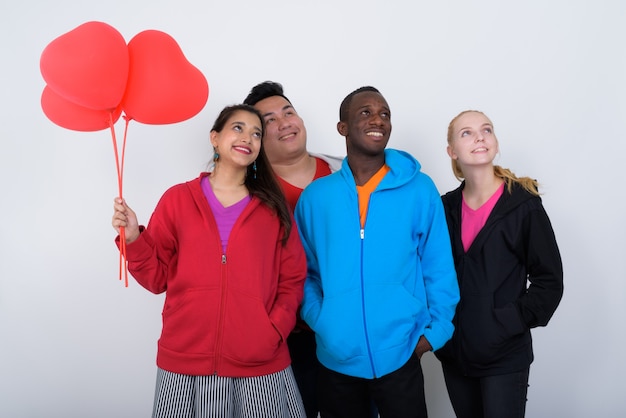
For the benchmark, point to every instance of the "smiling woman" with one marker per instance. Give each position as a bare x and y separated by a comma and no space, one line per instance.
223,250
236,145
502,240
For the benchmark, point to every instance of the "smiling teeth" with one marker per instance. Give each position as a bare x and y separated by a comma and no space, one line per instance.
374,134
246,150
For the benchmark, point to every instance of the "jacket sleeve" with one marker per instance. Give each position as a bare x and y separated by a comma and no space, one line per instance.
312,299
151,253
292,272
544,268
440,282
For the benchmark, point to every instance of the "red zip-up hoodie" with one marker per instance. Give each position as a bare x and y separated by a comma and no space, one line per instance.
225,313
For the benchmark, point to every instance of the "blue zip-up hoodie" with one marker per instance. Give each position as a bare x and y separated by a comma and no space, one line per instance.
371,293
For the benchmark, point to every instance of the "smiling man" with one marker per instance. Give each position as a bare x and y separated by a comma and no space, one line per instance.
285,141
381,287
285,144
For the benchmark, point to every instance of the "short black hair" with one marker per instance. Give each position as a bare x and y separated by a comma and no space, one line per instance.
263,91
345,104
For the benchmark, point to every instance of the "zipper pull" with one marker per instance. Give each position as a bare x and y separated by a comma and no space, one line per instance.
223,258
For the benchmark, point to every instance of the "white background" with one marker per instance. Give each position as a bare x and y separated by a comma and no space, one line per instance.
74,342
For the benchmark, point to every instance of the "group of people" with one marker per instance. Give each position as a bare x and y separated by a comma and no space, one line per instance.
301,284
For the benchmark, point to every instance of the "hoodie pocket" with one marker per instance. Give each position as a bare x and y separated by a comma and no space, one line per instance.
190,325
483,335
250,338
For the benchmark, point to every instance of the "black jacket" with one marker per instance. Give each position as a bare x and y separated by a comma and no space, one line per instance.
511,280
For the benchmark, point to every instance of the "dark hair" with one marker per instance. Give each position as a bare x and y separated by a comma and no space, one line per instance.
263,91
228,111
345,104
261,183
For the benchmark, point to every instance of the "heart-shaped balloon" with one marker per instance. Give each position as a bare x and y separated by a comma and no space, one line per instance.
87,66
75,117
163,86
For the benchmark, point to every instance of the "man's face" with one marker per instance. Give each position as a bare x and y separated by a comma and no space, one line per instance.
368,126
285,134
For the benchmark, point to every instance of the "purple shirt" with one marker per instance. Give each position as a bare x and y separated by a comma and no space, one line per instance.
224,216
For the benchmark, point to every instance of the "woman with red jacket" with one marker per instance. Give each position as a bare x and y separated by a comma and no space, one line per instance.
224,249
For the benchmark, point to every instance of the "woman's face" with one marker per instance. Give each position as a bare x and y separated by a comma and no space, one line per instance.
473,140
239,142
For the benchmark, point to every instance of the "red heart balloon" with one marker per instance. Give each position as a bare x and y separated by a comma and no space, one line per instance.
163,87
87,66
75,117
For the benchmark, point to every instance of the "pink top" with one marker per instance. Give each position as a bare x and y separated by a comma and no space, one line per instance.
472,221
225,217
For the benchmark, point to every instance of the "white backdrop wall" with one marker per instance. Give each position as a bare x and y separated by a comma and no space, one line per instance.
74,342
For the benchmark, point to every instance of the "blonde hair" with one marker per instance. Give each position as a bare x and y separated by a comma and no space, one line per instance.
529,184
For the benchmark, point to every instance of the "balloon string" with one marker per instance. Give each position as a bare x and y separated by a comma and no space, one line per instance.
120,173
121,176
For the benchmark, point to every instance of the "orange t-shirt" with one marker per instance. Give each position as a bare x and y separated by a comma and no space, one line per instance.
366,190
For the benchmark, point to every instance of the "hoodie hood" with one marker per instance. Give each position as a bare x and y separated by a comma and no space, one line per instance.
507,203
403,169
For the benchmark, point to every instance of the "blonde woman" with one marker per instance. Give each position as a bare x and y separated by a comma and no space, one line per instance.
509,271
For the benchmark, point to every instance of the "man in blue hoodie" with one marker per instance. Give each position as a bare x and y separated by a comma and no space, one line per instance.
381,287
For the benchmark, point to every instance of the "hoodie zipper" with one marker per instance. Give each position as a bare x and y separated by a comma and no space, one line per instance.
218,339
367,340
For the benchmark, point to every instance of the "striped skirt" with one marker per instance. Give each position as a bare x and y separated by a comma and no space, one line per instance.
183,396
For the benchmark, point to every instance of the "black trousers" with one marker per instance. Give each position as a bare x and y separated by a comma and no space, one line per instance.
397,395
305,368
489,396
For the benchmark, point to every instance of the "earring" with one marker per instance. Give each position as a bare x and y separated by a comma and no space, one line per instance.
216,155
254,168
